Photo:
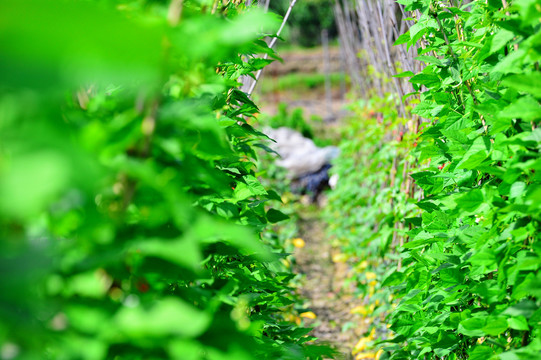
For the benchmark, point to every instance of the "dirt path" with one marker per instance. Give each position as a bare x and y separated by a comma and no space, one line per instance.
323,286
324,291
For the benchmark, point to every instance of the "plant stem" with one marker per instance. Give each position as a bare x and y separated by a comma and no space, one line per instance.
175,12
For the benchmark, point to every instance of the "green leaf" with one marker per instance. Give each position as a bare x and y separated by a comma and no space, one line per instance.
208,230
115,49
266,148
251,188
518,323
525,108
89,284
484,258
31,181
436,221
529,11
517,189
429,60
471,201
512,63
429,80
472,161
181,251
530,83
500,39
421,242
455,74
275,216
524,288
402,39
480,352
472,326
495,325
395,278
404,74
185,349
524,308
163,318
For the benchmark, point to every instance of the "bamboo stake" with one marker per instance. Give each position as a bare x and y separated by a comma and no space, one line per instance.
371,46
174,12
326,70
390,64
348,47
273,41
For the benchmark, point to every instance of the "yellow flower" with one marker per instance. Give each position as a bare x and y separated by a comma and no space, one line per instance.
361,310
339,258
370,275
298,242
308,315
379,353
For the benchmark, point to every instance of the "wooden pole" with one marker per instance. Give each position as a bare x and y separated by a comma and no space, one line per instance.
326,70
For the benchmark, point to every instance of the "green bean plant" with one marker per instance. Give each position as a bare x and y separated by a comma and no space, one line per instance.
445,211
131,215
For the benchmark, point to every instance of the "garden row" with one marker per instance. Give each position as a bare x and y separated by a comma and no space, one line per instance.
131,216
438,206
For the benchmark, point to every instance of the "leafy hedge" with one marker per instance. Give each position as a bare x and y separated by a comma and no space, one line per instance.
446,214
130,211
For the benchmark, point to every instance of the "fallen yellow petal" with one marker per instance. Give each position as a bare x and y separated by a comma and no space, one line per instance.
361,310
360,346
298,243
308,315
369,355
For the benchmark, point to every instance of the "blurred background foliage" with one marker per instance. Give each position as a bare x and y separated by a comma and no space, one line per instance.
307,21
130,210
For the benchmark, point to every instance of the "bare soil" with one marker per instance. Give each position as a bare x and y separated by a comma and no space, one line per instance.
324,290
313,101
